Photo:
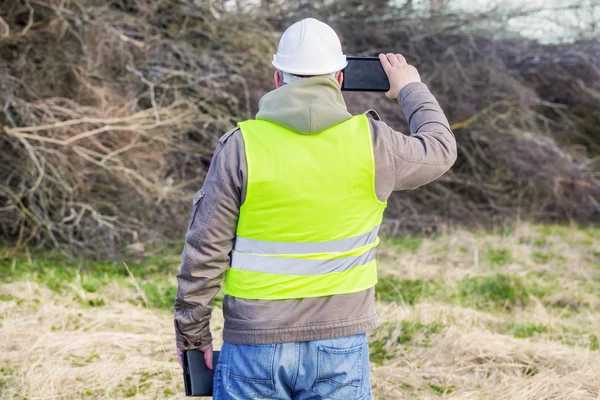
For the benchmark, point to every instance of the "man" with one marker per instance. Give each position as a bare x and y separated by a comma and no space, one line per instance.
289,214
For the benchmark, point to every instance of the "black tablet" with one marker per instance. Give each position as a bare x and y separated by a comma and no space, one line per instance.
197,378
365,74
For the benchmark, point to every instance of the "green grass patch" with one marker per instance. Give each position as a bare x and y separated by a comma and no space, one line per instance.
156,275
411,332
591,231
594,345
410,244
384,345
499,256
488,292
440,390
522,331
529,370
494,291
378,354
568,232
144,385
552,230
159,295
411,329
378,347
408,291
541,258
526,240
6,371
6,297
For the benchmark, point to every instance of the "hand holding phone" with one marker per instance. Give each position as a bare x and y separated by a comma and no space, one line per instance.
386,73
399,73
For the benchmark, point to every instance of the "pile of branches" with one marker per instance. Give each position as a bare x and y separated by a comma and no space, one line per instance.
525,115
110,112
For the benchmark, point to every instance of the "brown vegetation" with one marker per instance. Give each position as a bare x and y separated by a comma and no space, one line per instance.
111,114
111,111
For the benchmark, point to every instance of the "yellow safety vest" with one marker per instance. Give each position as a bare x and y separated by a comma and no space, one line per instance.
308,226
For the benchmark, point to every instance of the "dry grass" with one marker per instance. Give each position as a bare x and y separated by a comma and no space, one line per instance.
443,343
54,348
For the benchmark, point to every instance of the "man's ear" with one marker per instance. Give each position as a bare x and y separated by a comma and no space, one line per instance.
340,78
277,77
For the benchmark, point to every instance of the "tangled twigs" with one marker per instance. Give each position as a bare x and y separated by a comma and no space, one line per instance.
52,148
110,112
4,28
138,122
110,139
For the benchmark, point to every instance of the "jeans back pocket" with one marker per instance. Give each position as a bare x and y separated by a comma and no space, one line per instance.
250,370
340,372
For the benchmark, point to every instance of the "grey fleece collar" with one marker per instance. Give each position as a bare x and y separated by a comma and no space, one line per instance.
307,106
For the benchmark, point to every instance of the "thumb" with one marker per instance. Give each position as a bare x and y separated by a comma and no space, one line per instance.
208,358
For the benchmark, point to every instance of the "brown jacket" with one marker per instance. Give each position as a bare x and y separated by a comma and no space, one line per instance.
307,106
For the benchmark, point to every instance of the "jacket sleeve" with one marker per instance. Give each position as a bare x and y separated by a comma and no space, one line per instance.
208,243
427,153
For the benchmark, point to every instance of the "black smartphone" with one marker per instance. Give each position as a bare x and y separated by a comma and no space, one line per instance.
197,378
365,74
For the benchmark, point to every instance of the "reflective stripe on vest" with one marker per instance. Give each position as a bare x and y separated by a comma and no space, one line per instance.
297,266
247,245
308,226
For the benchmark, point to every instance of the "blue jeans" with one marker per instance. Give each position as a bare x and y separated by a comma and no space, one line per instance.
335,369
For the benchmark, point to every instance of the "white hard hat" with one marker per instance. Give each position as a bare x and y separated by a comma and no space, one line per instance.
309,47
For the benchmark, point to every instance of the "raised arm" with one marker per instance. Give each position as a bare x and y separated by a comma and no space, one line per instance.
430,150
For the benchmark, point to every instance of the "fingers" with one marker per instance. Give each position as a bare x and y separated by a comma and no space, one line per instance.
392,59
385,62
180,357
401,59
399,73
208,358
208,355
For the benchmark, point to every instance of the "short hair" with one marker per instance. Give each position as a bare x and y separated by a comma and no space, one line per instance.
286,77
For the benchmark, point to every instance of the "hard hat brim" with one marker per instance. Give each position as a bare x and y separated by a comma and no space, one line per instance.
294,71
